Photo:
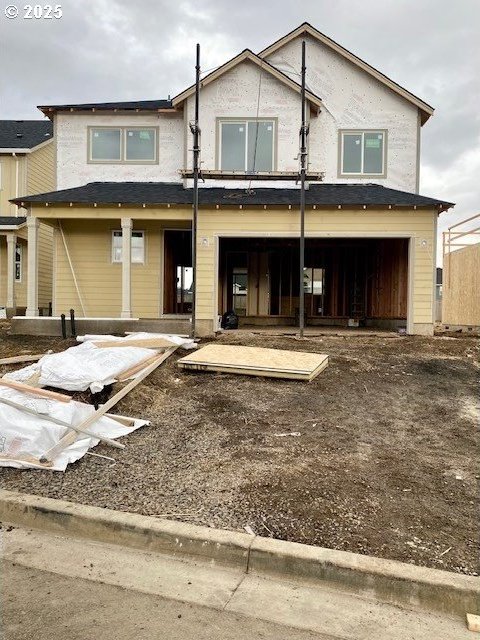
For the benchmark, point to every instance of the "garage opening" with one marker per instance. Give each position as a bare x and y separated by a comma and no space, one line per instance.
357,282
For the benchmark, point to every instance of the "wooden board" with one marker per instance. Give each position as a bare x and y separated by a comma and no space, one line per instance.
254,361
18,359
144,343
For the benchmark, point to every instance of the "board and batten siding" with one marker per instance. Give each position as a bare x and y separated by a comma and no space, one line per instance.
419,224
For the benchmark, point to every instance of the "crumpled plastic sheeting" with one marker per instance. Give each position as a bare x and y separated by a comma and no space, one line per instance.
87,366
25,435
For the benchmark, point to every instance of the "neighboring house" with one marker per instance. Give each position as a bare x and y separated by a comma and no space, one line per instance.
26,166
461,274
122,212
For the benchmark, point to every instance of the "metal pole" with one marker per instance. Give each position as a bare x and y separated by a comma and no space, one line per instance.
303,163
196,164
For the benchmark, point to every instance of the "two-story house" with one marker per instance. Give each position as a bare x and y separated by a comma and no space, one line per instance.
26,166
122,212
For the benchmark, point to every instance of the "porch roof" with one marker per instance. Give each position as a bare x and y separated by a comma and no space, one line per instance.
169,193
11,221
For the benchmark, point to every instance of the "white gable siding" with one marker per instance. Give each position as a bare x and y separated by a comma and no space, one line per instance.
236,95
353,100
74,170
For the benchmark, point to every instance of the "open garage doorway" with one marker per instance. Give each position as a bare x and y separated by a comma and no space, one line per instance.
348,281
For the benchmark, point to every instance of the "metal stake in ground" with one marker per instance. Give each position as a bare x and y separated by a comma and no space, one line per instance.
303,167
194,128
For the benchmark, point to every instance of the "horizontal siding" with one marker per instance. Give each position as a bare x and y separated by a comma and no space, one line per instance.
41,170
8,186
419,224
89,241
99,280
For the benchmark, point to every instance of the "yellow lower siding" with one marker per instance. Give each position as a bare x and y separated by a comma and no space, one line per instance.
45,268
420,224
89,243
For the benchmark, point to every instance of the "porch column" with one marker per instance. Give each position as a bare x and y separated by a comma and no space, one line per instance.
11,246
32,282
126,268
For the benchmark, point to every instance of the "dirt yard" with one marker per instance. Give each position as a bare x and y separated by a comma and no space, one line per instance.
377,455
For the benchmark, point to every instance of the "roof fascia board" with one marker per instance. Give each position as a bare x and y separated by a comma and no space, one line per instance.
317,35
242,57
14,150
11,227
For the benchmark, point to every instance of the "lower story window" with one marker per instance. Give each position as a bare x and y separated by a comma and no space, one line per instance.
18,262
138,247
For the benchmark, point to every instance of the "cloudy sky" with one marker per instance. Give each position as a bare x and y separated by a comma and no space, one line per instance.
101,50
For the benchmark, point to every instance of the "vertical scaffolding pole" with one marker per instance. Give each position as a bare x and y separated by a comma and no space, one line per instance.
303,167
196,166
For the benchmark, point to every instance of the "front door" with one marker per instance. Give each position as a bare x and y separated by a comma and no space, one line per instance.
178,272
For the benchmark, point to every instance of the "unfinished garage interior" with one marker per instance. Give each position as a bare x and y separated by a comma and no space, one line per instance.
347,281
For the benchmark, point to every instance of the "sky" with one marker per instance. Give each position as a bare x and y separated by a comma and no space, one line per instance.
105,50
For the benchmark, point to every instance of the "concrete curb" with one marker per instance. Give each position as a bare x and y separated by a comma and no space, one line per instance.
386,580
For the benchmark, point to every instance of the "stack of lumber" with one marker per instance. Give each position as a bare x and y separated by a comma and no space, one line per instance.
254,361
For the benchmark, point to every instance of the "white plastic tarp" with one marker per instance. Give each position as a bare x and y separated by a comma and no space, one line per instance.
87,366
23,435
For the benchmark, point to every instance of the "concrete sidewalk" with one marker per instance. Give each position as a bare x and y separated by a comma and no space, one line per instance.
56,587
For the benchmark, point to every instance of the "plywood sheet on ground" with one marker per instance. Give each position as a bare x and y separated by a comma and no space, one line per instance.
254,361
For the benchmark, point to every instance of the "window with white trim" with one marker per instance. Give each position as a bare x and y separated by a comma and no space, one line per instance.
123,144
18,262
138,247
362,153
247,145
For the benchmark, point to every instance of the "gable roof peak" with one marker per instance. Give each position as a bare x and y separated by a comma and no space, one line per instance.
425,109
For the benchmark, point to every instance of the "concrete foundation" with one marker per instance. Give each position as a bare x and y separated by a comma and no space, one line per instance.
51,326
423,329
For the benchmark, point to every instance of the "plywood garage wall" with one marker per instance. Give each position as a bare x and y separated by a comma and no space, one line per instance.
461,287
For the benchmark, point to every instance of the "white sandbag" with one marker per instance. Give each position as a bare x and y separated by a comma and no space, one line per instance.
23,435
82,367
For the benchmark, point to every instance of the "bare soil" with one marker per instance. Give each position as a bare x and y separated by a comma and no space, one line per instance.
385,463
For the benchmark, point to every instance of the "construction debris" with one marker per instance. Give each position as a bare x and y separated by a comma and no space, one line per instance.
45,429
25,358
254,361
30,426
473,622
88,366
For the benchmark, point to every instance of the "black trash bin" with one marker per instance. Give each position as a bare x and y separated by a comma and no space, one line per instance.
229,320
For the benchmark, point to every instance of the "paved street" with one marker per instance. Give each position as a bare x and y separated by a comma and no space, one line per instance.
59,588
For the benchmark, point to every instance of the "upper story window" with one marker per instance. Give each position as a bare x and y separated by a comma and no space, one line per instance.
123,145
247,145
362,153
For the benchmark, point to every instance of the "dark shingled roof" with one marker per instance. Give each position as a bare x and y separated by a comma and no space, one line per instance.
161,193
144,105
24,134
9,221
